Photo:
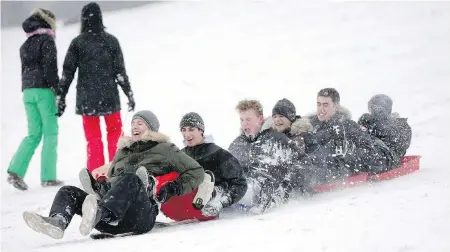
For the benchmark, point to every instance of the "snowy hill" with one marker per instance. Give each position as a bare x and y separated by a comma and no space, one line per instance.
205,56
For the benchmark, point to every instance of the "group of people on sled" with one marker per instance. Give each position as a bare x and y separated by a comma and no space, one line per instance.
272,158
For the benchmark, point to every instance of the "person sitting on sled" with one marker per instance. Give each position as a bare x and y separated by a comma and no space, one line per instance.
299,129
349,150
230,183
126,204
381,123
271,161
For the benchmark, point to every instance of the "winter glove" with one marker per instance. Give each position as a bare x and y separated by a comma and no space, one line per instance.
366,122
61,105
214,206
167,191
131,102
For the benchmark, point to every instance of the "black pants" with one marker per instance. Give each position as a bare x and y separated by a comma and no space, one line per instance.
127,200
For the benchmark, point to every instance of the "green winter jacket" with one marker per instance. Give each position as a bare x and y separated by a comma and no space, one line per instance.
160,157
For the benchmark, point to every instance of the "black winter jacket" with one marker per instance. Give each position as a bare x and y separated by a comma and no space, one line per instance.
38,56
99,60
270,155
394,131
363,153
227,170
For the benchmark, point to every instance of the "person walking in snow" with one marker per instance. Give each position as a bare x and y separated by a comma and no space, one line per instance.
98,57
128,201
39,81
389,127
230,184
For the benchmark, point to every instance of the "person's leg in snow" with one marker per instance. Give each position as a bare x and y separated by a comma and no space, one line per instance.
93,134
47,108
125,208
114,130
21,160
40,110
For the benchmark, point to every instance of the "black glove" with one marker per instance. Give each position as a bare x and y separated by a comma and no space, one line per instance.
167,191
61,104
131,102
367,122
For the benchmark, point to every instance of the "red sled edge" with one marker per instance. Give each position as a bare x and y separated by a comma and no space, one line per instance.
409,165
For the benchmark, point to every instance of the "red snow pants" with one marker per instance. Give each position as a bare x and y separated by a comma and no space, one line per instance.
93,134
179,208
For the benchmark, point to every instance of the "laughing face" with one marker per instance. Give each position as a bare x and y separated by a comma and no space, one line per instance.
251,122
138,129
326,108
192,135
281,123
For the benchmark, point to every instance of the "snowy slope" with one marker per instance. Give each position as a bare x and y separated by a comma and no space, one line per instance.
205,56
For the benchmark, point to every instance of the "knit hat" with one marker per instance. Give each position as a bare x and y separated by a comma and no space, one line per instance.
285,108
380,104
149,118
192,119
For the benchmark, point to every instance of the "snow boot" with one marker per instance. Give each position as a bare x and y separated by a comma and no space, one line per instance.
91,214
17,181
51,226
49,183
143,176
149,182
89,184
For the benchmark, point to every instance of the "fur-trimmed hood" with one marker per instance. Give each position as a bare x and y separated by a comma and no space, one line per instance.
343,111
298,126
39,18
126,141
301,125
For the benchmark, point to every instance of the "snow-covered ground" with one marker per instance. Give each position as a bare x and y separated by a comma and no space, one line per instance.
205,56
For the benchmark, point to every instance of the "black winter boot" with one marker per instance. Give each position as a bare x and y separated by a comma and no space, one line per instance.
17,181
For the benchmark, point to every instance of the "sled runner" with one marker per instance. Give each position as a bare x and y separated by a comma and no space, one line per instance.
158,224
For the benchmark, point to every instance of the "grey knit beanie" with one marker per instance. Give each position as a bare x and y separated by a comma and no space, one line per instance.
149,118
192,119
380,104
285,108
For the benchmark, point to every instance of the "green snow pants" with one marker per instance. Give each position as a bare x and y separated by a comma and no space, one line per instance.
40,108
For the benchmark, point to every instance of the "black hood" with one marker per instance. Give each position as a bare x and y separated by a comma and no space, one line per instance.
34,22
91,18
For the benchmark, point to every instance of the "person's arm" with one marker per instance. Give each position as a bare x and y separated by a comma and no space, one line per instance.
69,68
120,73
50,63
191,173
233,175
